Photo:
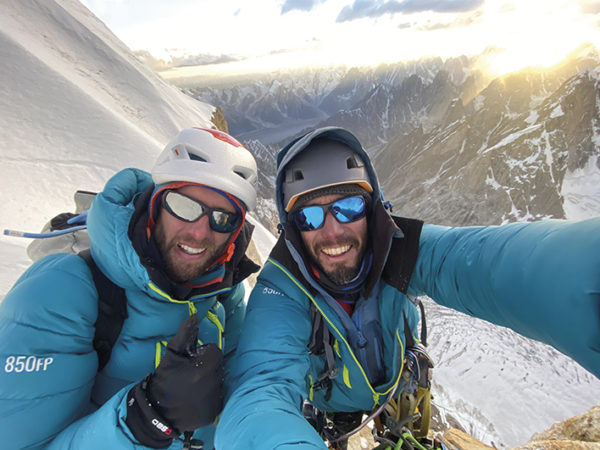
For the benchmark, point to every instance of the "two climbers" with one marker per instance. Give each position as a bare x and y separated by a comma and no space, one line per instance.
175,241
329,321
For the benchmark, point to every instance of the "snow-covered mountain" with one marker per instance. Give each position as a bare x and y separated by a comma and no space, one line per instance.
522,149
76,106
451,146
273,107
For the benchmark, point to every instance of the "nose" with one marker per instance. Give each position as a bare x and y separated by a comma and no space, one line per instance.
331,227
199,229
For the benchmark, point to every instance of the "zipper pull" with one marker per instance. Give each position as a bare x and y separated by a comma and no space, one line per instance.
191,444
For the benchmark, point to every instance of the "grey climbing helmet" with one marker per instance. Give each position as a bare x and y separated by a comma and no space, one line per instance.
322,163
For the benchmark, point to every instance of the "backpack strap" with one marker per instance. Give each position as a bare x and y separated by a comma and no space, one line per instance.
321,342
112,311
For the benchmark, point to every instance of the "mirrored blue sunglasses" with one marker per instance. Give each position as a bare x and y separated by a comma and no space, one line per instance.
188,209
345,210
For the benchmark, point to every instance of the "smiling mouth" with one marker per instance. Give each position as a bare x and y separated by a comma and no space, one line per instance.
191,250
336,251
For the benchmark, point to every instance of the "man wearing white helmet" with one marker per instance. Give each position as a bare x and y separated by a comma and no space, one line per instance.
330,320
175,242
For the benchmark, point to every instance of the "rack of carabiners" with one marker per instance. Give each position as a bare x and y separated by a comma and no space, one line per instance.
388,433
393,435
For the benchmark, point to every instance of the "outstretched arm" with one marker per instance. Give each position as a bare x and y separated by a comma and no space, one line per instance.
541,279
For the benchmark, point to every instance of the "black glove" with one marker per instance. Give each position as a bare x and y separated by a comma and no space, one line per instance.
184,393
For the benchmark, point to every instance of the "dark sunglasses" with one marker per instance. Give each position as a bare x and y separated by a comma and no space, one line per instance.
188,209
345,210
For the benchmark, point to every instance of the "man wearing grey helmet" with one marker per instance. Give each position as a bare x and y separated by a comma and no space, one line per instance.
174,241
331,319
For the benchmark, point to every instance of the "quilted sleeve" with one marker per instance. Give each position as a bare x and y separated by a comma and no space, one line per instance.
541,279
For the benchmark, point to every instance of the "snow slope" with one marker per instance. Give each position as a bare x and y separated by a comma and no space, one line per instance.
75,106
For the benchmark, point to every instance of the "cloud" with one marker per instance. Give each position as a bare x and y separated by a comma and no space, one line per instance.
589,6
300,5
376,8
459,22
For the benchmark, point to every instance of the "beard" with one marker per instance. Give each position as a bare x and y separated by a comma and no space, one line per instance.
182,271
344,274
341,273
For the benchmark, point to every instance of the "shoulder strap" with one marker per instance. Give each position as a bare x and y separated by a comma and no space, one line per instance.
112,311
321,342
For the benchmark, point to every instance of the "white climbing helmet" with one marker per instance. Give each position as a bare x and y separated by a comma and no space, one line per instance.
209,157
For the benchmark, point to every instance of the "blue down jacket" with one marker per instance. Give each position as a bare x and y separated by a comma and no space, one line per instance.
51,395
540,279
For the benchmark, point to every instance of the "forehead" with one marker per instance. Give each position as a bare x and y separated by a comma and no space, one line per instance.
324,199
207,196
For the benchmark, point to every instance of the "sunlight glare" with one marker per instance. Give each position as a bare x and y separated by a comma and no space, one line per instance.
534,36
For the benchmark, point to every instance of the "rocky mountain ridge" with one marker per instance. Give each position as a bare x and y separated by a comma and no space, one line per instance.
501,158
449,145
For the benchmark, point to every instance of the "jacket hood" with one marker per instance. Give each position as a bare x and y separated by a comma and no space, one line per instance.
108,223
379,217
298,145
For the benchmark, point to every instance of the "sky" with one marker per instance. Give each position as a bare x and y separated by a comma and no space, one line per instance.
271,34
74,109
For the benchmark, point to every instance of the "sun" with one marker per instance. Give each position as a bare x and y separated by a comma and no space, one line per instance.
536,35
513,60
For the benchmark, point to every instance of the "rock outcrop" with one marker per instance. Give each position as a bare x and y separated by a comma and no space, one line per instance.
579,432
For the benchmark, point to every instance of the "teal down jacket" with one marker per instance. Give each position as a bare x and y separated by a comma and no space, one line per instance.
51,395
540,279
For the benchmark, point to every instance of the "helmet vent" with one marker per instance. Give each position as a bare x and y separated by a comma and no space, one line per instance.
298,175
351,163
197,158
240,174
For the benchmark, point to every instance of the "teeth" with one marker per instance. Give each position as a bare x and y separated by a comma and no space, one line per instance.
191,250
336,250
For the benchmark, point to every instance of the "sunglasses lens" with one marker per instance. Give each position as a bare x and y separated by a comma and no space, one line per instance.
190,210
309,218
223,221
349,209
345,210
182,207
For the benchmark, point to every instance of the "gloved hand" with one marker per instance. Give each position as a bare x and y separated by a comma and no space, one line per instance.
185,391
